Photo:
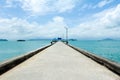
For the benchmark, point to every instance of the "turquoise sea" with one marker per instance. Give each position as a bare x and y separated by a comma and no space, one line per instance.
11,49
107,49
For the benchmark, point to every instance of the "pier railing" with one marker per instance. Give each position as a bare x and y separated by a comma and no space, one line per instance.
113,66
7,65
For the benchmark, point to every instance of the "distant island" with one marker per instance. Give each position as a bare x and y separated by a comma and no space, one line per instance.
3,40
20,40
72,39
108,39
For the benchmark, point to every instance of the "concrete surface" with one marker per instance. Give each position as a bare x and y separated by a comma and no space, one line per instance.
59,62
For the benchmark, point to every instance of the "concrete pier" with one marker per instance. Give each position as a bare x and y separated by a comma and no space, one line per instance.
59,62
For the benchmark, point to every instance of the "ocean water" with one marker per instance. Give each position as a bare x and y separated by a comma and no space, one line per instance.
107,48
11,49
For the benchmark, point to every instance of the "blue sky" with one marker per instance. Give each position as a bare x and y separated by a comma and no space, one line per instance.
85,19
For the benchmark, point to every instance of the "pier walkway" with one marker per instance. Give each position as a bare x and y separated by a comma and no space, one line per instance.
59,62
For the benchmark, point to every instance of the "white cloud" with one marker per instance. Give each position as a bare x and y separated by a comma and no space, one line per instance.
12,3
86,6
110,17
105,24
42,7
103,3
64,5
100,4
21,29
9,3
